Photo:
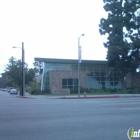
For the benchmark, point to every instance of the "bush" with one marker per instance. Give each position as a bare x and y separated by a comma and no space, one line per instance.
97,90
138,90
133,90
114,90
75,90
39,92
35,91
72,91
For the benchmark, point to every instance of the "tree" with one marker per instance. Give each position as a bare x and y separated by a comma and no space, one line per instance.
122,45
13,72
38,67
133,31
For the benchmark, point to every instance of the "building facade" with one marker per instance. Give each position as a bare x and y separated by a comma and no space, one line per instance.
59,75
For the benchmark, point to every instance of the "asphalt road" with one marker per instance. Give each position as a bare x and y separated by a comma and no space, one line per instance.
67,119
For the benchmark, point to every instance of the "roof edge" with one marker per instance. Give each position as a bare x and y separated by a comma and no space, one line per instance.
58,60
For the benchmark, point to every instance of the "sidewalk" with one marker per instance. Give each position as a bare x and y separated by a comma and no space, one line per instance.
27,95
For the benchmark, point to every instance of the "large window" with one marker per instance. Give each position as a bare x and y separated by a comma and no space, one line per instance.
69,83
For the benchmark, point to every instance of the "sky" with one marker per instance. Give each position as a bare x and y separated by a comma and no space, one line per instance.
50,29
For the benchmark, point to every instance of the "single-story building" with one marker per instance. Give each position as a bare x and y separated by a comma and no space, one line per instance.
60,75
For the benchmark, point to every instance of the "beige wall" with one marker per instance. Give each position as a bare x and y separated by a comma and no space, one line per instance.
57,76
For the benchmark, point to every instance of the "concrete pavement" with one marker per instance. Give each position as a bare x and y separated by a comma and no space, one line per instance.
27,95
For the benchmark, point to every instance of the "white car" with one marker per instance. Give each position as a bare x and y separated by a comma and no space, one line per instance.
13,91
10,89
4,89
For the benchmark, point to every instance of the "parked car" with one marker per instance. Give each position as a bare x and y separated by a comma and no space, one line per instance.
10,89
4,89
13,91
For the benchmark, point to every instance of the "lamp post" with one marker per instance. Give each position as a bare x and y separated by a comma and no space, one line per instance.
23,71
79,61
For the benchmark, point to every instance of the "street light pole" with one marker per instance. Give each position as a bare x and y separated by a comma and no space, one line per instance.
23,71
79,61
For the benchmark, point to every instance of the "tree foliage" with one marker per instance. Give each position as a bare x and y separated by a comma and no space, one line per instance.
38,66
13,72
123,27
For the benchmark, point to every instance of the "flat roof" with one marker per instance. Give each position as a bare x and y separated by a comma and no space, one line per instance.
55,60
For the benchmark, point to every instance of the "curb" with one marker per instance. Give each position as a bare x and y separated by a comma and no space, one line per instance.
22,97
76,97
25,97
90,97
